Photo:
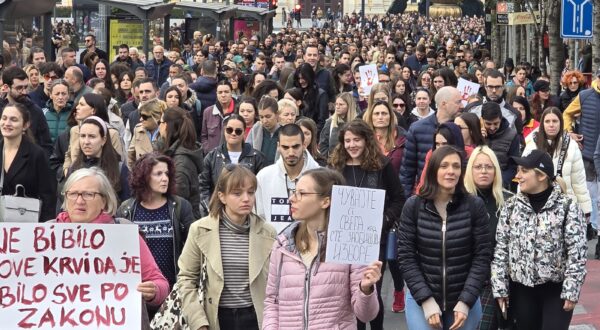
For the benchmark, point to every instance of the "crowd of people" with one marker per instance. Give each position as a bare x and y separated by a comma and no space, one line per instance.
225,152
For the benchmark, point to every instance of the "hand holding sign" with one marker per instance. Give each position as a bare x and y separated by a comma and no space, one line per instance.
466,89
368,77
371,275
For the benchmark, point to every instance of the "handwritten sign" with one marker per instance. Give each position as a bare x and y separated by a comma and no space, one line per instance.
466,89
355,223
66,276
368,77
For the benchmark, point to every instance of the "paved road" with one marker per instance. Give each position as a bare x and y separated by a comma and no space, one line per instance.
586,315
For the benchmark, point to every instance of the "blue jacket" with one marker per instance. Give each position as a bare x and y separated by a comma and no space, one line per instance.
414,64
158,72
419,140
206,91
590,117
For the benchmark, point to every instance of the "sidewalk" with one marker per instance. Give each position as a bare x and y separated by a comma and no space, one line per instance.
587,312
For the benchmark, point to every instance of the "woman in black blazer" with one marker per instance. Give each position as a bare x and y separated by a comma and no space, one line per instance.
24,162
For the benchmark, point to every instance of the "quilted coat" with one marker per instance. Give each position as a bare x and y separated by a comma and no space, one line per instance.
534,249
323,296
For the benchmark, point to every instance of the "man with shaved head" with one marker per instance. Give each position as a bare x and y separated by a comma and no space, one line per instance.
419,136
158,67
77,86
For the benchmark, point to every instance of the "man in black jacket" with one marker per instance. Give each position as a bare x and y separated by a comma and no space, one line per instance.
15,81
90,45
206,85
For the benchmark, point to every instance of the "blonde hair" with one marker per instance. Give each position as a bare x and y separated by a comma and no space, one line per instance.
469,182
154,108
285,103
347,97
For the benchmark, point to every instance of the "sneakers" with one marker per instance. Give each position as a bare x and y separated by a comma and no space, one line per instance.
398,305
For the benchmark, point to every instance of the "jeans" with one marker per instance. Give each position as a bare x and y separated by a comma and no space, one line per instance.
593,189
415,319
238,318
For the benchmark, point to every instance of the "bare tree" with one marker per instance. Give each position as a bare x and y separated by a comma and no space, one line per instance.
557,57
596,40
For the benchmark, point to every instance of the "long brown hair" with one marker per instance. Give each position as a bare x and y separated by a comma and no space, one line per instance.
371,157
541,140
431,187
232,177
179,127
324,179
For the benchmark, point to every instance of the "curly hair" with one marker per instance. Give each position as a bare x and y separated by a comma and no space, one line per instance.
139,177
371,159
573,74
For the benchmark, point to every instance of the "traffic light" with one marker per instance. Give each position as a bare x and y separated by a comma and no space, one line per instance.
273,4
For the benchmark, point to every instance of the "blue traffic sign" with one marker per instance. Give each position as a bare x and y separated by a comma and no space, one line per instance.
577,19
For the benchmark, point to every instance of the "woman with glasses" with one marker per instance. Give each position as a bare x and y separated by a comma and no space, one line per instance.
90,198
345,111
304,291
179,142
539,261
58,108
444,248
163,217
24,163
233,150
574,82
483,178
359,159
542,99
228,251
424,80
146,133
399,106
90,105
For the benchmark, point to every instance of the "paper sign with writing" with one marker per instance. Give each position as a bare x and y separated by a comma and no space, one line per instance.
368,77
466,89
69,276
355,223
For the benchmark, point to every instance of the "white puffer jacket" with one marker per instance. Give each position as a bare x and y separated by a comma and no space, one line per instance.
573,172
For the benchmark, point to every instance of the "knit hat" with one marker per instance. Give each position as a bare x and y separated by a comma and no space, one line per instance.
537,159
541,85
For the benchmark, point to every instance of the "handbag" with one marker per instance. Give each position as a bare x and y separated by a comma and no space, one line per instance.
17,209
169,315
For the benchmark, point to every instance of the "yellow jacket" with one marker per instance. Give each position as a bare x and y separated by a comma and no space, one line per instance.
574,109
203,244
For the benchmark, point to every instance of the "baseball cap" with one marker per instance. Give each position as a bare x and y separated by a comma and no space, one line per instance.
537,159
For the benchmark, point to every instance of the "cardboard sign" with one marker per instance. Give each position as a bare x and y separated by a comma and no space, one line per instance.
368,77
355,223
69,276
466,89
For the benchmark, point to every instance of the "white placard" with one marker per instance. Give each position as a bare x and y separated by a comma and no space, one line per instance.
466,89
69,276
368,77
355,223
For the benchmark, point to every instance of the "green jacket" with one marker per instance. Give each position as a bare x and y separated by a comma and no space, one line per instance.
57,121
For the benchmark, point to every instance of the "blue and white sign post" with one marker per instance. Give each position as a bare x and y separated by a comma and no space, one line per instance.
577,19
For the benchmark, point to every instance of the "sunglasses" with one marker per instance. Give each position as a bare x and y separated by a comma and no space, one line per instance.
399,105
231,130
145,117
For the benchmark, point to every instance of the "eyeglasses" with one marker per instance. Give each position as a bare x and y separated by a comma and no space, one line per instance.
145,117
298,194
54,77
86,195
231,130
399,105
88,40
574,83
482,167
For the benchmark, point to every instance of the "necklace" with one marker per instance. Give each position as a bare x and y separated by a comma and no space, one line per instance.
358,184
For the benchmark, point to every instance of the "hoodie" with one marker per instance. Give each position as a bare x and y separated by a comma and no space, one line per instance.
273,189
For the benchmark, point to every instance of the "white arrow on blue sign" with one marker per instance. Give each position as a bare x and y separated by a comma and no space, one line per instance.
577,19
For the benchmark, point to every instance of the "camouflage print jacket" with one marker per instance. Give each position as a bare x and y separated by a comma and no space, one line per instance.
533,249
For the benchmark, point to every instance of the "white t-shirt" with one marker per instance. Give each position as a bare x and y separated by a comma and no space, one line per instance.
235,156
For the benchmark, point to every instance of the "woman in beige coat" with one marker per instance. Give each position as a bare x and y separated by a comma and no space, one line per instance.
90,105
146,132
233,245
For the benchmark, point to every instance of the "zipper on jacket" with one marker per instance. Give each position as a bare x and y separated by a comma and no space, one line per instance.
444,265
307,283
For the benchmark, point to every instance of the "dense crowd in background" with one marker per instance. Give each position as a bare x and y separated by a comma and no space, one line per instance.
161,136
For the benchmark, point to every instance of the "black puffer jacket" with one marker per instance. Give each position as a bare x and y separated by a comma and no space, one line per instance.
463,256
214,162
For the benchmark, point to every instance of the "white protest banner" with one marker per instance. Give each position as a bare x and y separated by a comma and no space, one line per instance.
466,89
355,223
69,276
368,77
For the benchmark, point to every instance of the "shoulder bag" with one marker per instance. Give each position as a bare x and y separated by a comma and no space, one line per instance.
17,209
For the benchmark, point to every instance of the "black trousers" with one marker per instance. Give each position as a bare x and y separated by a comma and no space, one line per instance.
539,307
238,318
